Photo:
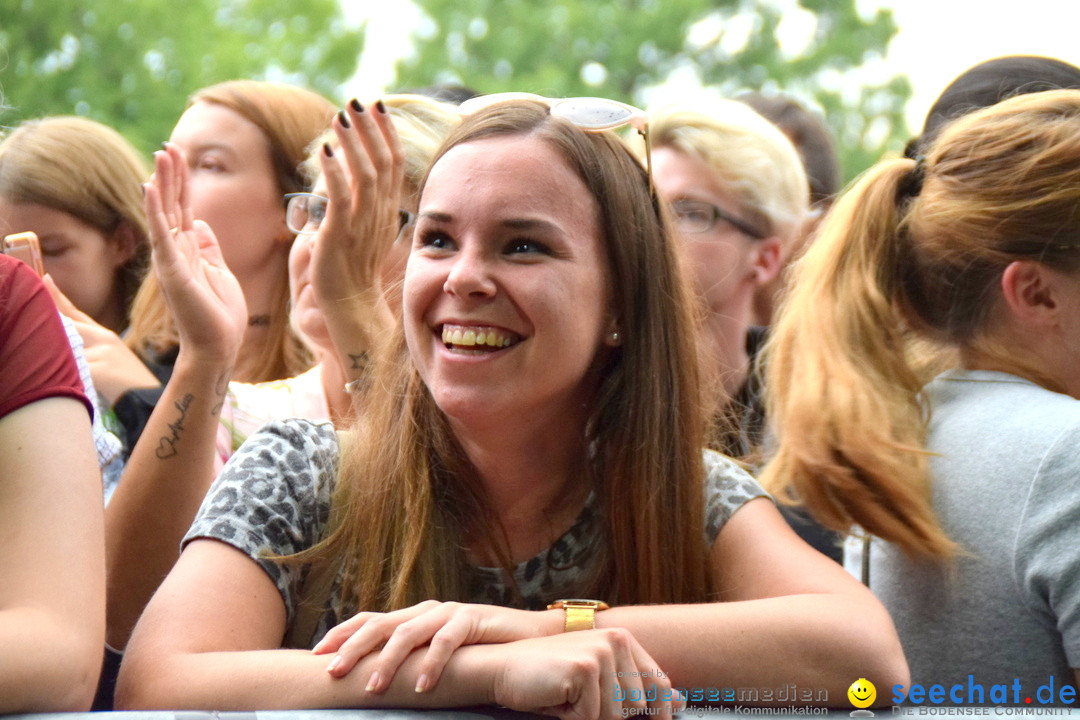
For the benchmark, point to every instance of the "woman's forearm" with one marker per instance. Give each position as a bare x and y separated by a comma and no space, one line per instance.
290,679
817,641
164,482
357,325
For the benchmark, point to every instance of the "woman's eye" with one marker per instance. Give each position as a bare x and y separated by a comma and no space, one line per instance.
520,247
56,251
211,164
435,240
316,212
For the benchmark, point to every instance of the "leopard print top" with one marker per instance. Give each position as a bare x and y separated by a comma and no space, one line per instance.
273,498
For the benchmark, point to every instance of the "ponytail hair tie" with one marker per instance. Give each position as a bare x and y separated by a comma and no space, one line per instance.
911,186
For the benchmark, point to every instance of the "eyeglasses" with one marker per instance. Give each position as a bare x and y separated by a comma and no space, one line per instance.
304,213
696,216
591,114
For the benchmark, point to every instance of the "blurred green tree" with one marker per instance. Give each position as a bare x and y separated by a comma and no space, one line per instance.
622,48
131,64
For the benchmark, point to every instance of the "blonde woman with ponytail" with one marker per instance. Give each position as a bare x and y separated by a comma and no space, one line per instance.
923,384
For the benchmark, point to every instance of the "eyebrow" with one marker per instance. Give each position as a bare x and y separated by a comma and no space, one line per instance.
512,223
218,146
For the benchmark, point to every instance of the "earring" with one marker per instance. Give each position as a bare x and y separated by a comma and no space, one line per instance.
615,336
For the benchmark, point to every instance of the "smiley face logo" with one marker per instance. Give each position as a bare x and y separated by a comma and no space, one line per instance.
862,693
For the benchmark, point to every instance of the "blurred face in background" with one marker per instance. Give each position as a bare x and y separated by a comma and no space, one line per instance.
727,263
82,260
233,185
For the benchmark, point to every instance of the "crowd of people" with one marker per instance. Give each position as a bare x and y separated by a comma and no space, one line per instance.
553,404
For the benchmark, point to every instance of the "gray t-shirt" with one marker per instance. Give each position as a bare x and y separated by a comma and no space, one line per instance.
1006,487
273,497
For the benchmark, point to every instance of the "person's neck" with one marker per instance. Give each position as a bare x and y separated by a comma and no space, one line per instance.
333,383
113,317
261,288
725,334
1038,358
535,474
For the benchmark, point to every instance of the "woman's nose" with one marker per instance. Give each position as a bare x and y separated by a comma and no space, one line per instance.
470,276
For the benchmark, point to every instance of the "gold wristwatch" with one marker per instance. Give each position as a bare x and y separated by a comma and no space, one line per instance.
580,614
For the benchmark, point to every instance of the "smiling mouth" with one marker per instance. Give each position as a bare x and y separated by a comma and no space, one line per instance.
477,339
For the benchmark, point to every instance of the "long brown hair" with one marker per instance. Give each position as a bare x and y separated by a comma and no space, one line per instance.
904,274
87,170
406,491
290,118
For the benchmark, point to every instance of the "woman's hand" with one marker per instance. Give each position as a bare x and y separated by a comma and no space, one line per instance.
204,297
443,626
363,215
584,675
114,368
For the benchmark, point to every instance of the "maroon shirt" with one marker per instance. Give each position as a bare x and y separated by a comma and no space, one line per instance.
35,357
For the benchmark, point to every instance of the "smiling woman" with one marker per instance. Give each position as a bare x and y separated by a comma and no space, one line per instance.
481,487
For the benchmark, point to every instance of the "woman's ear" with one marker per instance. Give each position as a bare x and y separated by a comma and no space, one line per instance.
1030,292
124,240
768,258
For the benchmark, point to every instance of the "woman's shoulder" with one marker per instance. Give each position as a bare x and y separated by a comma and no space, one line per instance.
293,443
728,486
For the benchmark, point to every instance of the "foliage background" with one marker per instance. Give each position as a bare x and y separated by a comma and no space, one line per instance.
622,48
132,63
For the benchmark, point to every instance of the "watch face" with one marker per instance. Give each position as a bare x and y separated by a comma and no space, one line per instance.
579,602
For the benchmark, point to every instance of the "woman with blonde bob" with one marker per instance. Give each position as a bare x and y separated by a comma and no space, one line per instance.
966,260
532,432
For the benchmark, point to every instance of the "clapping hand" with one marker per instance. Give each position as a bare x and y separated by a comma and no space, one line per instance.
204,296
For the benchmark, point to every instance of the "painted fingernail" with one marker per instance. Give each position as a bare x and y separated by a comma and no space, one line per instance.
373,682
380,107
334,664
356,105
343,119
328,150
421,683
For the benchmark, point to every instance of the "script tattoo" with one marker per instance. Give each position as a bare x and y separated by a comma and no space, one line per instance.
167,444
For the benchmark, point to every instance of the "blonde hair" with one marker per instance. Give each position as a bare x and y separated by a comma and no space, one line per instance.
752,157
407,493
87,170
904,273
290,118
421,122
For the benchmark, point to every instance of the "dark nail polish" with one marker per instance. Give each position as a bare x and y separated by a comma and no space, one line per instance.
328,150
380,107
343,119
356,105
